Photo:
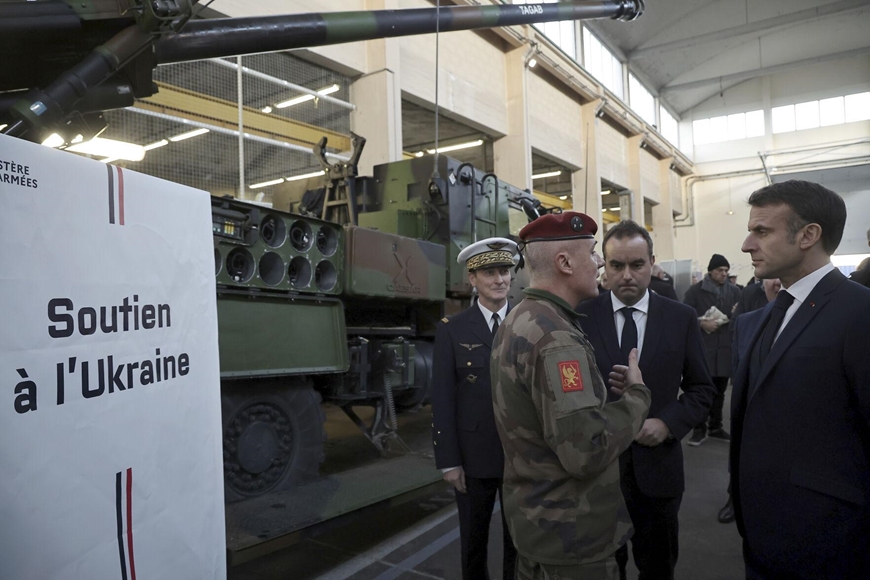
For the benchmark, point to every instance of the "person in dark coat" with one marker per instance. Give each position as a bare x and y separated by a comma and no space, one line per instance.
662,284
466,443
714,290
861,275
800,410
743,328
671,356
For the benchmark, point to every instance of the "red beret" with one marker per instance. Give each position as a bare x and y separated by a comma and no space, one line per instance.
567,225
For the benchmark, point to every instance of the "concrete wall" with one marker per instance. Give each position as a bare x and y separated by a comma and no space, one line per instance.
612,153
555,120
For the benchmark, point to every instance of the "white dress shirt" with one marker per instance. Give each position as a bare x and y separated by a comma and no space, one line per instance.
801,290
487,313
640,315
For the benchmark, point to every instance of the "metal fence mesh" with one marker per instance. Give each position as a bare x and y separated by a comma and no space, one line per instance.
200,94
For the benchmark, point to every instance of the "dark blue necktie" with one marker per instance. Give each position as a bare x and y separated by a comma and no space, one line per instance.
780,306
494,323
629,332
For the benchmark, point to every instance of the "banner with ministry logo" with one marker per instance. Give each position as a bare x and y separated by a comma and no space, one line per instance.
110,434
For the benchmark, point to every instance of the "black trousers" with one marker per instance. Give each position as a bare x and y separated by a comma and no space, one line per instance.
655,544
714,420
475,513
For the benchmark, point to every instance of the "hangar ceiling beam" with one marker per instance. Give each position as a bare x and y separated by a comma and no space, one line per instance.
753,28
732,79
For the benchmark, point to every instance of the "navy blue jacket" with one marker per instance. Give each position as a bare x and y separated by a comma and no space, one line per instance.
672,358
463,423
800,448
743,329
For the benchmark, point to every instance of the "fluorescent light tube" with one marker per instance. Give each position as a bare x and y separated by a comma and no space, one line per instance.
266,183
550,174
449,148
110,148
305,176
188,135
304,98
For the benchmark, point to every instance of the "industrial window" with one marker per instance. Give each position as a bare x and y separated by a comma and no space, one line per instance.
561,33
601,63
782,119
728,127
641,100
823,113
832,112
857,107
670,127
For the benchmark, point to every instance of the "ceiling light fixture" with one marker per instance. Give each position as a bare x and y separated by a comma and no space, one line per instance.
267,109
53,140
188,135
3,126
614,208
110,148
532,63
605,191
563,197
155,145
304,98
419,154
266,183
457,147
77,139
305,176
550,174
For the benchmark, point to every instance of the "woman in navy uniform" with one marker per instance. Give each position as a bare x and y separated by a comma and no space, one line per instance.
467,447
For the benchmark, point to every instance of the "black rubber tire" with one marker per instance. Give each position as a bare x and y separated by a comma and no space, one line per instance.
273,435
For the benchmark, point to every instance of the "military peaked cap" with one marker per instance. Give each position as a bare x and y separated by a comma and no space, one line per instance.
488,253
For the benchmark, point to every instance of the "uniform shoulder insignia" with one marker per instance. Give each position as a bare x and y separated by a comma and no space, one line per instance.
445,320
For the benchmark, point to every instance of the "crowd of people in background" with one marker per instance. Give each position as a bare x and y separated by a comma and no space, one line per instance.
571,406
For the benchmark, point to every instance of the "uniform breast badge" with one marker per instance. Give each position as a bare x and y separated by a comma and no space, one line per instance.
470,346
570,373
472,378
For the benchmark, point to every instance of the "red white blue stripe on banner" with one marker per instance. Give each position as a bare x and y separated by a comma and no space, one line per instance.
116,195
124,514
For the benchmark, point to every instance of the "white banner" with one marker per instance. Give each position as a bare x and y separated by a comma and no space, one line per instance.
110,432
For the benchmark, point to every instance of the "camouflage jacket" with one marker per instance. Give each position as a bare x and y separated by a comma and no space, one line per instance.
562,498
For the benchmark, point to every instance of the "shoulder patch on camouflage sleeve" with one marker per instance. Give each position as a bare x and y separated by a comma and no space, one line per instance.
445,319
572,380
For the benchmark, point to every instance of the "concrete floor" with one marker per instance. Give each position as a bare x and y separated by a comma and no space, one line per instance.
420,539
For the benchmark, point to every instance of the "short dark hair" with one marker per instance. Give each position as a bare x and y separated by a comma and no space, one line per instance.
627,229
811,204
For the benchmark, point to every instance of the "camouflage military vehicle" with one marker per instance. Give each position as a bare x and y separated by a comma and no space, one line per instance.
336,300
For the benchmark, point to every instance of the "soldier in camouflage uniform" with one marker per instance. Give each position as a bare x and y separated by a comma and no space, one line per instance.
562,498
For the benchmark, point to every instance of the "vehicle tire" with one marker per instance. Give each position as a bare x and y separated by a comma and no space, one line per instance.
419,395
273,435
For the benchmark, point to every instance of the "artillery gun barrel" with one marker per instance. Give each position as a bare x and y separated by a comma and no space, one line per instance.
202,39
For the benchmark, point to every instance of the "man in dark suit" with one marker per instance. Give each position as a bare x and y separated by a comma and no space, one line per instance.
743,328
467,448
800,453
861,275
662,284
671,352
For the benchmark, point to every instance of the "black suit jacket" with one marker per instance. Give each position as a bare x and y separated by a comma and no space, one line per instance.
463,423
743,329
663,288
800,448
672,358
